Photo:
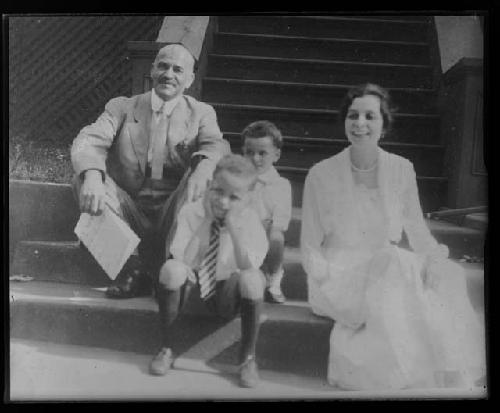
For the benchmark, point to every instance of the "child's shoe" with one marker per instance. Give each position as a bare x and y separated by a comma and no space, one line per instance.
273,293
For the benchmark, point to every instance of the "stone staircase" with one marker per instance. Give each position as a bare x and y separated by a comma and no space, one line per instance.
64,302
292,71
295,70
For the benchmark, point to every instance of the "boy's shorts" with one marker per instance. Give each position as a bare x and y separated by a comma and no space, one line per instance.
224,303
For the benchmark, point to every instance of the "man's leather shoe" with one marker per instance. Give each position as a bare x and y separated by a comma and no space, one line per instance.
130,282
161,363
249,376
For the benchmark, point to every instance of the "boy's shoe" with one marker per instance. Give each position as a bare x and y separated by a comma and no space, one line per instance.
274,296
161,363
249,376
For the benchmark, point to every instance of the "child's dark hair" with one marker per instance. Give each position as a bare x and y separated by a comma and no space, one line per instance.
261,129
237,165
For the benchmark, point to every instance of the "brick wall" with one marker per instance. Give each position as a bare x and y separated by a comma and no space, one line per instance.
63,69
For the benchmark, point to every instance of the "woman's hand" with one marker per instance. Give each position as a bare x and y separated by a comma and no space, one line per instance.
435,263
431,272
316,265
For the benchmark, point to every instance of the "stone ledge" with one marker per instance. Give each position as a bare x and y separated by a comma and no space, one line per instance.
292,339
40,211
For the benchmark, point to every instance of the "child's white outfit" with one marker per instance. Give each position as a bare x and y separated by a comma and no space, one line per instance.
273,203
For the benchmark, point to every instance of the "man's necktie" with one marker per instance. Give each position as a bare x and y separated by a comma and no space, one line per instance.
206,272
158,140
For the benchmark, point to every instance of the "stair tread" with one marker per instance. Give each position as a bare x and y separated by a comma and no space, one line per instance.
75,244
310,111
477,221
307,85
366,18
303,171
294,252
332,141
318,61
322,39
84,296
359,18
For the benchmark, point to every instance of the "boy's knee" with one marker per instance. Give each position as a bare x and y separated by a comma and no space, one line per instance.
173,274
251,284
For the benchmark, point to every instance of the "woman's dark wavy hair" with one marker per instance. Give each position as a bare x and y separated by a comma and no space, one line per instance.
386,107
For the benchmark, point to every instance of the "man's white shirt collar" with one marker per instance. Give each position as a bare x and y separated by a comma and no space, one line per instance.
157,103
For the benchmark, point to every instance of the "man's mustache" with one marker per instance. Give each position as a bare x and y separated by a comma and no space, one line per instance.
165,80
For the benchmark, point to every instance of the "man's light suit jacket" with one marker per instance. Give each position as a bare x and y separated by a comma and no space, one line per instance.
117,142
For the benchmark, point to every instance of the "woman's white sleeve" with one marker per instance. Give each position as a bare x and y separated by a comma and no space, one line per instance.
419,236
312,232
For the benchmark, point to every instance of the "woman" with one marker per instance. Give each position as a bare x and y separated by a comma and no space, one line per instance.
402,319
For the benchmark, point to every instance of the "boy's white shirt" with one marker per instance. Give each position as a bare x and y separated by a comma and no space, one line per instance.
192,237
272,199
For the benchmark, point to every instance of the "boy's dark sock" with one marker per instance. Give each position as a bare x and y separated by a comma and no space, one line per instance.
168,307
250,324
274,257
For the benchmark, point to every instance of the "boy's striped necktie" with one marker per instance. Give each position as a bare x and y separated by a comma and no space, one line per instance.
206,272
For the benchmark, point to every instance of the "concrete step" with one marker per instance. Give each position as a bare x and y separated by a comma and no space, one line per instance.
477,221
319,71
303,152
305,95
61,261
368,50
399,17
292,339
62,372
320,123
352,27
66,262
460,240
41,371
43,211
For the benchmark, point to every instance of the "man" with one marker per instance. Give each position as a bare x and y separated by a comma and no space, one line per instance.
143,158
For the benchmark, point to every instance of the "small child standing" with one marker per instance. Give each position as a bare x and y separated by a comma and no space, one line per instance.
219,246
262,142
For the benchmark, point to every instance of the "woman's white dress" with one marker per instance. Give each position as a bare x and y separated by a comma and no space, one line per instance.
393,330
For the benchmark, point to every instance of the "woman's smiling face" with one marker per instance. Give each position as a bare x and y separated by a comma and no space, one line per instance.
364,123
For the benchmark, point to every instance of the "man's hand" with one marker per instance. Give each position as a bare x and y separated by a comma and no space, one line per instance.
199,180
92,193
207,207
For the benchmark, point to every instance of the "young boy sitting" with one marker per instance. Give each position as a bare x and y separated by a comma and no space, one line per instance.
218,246
262,142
